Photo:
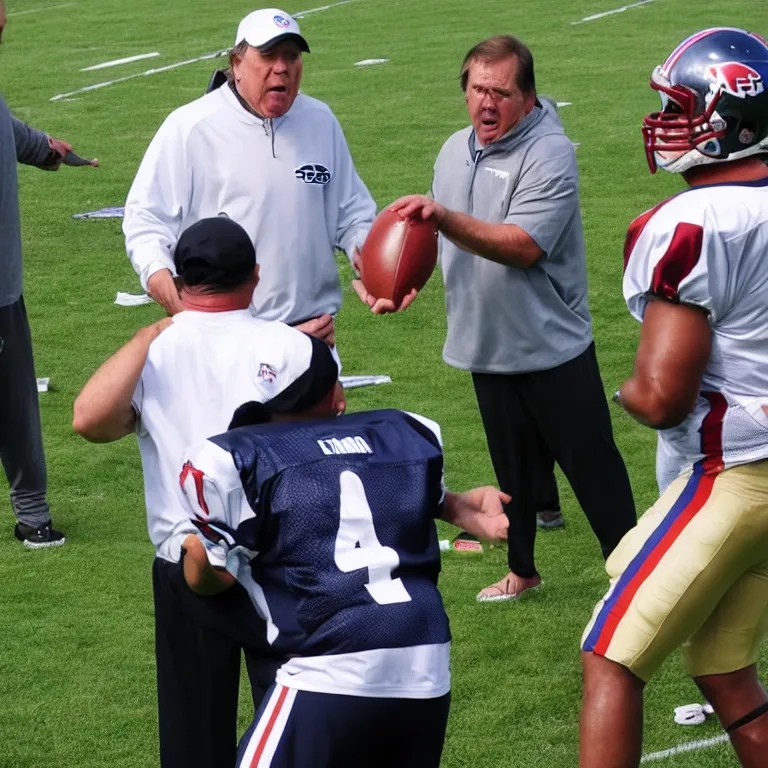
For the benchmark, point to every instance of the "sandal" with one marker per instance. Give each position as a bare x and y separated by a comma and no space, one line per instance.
501,590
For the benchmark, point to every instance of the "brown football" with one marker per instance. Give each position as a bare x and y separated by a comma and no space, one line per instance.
398,255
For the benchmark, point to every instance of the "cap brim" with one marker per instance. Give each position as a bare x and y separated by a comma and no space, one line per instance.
300,41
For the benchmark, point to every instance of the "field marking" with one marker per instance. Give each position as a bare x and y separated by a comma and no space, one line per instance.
370,62
147,73
612,12
40,10
688,746
302,14
176,65
117,62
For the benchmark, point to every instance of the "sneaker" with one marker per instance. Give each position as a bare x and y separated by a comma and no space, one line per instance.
38,538
549,520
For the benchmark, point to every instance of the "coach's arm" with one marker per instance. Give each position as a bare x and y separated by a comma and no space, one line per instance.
674,349
103,410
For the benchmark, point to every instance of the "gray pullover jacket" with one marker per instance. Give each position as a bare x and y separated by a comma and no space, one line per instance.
20,143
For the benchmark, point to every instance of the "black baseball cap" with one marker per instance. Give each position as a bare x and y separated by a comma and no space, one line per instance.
211,247
313,380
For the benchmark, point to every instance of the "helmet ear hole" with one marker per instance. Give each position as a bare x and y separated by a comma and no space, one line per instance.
745,133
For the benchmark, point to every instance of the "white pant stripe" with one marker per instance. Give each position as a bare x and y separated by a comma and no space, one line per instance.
269,729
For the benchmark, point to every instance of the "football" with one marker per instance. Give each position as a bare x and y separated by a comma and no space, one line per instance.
398,255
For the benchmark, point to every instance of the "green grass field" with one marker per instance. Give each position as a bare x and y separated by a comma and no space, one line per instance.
76,625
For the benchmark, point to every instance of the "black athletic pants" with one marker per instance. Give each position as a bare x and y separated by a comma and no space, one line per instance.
560,413
198,643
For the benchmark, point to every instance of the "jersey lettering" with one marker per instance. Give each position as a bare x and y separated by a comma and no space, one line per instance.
344,446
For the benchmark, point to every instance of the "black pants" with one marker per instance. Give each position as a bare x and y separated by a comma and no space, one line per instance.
21,439
562,413
198,643
546,493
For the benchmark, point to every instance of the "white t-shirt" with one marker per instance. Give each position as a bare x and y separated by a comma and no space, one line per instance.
708,247
198,371
290,182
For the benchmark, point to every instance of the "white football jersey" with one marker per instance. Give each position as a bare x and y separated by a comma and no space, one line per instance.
708,247
197,372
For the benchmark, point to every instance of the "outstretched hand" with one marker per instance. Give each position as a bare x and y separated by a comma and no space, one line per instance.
378,306
419,207
57,149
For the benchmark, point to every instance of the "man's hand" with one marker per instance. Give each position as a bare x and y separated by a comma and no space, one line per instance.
378,306
57,150
323,328
162,288
479,512
420,207
151,332
489,515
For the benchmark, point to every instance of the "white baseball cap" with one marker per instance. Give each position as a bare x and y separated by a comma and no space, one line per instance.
268,26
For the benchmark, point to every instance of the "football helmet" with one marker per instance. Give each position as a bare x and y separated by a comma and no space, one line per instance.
714,101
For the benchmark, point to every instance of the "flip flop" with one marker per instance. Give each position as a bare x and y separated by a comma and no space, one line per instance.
503,594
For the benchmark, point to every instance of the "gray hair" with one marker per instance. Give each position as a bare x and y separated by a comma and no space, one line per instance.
237,53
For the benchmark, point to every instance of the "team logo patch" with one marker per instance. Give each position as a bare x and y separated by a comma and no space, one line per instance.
737,79
313,173
267,372
282,22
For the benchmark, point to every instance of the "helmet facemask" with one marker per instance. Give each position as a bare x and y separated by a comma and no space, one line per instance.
691,138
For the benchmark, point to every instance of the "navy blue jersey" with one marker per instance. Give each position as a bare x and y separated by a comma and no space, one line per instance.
336,520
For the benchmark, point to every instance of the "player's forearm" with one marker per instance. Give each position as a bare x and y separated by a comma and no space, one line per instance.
201,577
103,410
504,244
206,580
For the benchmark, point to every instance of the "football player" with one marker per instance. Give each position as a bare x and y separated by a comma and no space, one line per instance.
328,523
693,573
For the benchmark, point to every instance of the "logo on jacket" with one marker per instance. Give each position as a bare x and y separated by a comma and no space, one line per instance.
267,373
737,79
282,22
313,173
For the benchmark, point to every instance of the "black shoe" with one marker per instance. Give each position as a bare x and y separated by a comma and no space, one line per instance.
38,538
550,520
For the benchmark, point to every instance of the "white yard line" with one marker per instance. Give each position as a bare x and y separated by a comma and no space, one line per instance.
688,746
370,62
117,62
612,12
147,73
302,14
204,57
40,10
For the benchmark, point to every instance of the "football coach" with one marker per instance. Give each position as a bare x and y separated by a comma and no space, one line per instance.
505,200
274,160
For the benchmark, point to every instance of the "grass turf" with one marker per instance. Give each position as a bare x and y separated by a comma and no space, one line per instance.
77,670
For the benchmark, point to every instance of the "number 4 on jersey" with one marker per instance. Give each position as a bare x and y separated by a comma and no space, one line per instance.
357,545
